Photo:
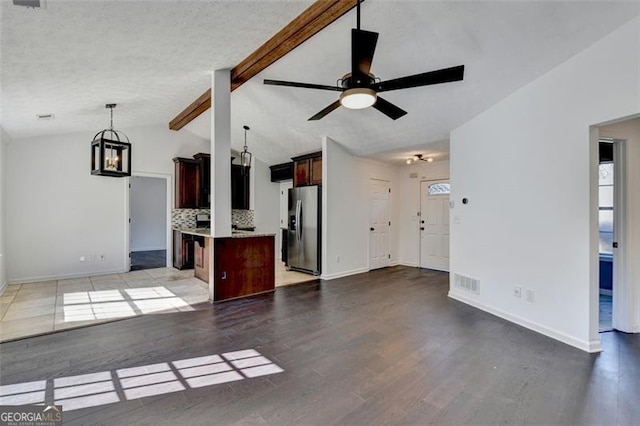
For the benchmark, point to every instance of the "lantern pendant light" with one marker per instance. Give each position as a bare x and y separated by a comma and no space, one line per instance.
245,156
111,151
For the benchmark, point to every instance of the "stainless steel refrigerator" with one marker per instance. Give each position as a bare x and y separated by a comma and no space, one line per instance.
303,236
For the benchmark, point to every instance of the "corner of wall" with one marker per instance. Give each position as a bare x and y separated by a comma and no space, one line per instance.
4,139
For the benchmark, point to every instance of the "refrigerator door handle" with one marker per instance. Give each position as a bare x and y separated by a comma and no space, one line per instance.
298,216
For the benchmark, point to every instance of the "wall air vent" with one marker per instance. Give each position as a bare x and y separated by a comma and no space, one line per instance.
29,3
471,285
45,117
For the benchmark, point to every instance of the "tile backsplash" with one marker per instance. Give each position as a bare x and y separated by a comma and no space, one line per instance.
242,218
186,218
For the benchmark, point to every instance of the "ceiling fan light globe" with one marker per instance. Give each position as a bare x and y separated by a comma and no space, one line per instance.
358,98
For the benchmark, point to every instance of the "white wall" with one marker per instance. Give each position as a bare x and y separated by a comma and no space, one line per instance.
56,211
629,301
409,206
266,200
527,165
346,211
4,139
148,205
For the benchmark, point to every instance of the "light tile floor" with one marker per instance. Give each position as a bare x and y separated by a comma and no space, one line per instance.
43,307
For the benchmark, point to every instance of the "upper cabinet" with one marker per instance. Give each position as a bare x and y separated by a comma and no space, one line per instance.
307,169
204,189
281,172
187,182
193,183
240,187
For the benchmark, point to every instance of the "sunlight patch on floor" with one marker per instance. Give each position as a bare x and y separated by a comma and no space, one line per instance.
108,387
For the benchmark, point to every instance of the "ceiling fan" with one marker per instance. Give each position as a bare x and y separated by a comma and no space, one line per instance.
360,87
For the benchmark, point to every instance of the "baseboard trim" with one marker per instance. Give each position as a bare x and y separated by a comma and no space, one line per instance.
591,346
3,287
410,264
343,274
149,249
64,276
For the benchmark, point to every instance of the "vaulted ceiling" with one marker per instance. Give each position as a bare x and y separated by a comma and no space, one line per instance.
155,58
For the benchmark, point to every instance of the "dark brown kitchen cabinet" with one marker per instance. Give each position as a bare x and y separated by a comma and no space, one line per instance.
201,258
307,169
187,182
243,266
204,180
240,187
280,172
183,250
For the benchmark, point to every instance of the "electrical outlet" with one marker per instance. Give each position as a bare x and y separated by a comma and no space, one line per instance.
530,295
83,259
517,292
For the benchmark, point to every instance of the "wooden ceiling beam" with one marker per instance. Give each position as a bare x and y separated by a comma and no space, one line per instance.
314,19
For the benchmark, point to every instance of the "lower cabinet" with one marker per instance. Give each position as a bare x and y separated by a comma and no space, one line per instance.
183,250
201,258
243,266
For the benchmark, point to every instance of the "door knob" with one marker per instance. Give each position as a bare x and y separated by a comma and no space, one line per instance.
422,228
371,229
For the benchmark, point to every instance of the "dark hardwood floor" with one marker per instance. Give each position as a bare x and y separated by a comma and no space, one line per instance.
386,347
148,259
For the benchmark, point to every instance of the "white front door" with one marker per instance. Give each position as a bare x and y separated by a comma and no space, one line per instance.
434,225
379,255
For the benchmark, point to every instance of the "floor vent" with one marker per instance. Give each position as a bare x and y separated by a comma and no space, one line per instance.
469,284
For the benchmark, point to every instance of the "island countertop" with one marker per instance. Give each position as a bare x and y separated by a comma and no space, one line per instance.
205,232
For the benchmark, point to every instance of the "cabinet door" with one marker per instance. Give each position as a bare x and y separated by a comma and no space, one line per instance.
301,173
187,253
240,187
187,175
177,249
204,180
316,171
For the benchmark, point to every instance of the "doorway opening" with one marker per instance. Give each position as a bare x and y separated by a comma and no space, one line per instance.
149,222
606,220
434,225
617,209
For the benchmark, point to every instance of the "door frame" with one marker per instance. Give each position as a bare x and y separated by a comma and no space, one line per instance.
419,231
622,317
168,228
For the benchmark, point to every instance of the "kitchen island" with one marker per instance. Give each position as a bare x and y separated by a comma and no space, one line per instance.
243,264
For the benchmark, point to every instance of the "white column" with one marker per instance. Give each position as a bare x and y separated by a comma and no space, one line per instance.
221,153
220,164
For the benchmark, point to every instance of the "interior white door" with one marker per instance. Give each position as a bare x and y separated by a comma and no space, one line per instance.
379,224
434,225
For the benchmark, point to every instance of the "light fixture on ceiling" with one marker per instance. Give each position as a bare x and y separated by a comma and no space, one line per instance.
418,157
358,98
111,151
245,156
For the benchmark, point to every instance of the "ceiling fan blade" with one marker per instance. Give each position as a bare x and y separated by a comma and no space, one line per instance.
363,46
389,109
303,85
325,111
445,75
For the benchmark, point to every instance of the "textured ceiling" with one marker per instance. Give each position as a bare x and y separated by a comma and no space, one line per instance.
154,58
